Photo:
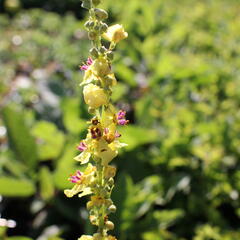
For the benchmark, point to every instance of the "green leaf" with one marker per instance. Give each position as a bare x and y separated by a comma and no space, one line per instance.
135,136
22,142
125,201
71,115
12,187
16,168
50,140
46,184
65,167
126,74
166,218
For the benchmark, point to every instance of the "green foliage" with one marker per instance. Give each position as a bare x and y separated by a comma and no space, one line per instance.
25,149
48,147
16,187
178,75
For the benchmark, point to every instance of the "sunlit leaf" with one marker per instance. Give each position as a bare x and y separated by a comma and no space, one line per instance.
12,187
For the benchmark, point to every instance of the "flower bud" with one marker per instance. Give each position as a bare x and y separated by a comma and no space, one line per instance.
111,181
92,36
96,28
115,33
110,55
94,96
96,2
86,4
109,225
112,209
94,52
100,14
103,28
89,24
103,50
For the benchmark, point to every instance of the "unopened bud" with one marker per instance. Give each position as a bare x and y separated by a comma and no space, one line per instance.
109,225
107,188
97,28
103,27
92,35
100,14
112,209
110,55
111,181
96,2
103,50
94,52
86,4
89,24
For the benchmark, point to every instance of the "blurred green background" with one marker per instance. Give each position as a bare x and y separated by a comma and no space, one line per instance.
179,81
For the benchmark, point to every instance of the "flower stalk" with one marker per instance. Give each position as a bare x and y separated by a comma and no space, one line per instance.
102,143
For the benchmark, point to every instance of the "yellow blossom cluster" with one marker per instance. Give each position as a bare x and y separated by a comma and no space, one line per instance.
101,143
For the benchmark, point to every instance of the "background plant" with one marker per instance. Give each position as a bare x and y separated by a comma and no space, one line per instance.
180,86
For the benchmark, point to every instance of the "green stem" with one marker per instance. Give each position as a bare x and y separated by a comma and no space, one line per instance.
101,210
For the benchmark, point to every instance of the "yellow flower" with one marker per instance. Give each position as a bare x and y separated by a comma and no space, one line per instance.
86,237
85,148
88,76
94,96
83,185
107,151
100,67
115,33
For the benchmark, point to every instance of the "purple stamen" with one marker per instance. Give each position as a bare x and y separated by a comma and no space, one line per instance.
89,61
82,146
122,122
75,178
117,134
121,118
121,114
86,66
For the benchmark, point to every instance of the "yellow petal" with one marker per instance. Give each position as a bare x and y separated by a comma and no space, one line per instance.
76,189
104,152
85,237
83,157
94,96
115,33
86,191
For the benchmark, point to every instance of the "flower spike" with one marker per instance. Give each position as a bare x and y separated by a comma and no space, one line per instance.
101,144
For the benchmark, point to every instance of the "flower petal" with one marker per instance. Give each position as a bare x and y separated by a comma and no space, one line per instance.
83,157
